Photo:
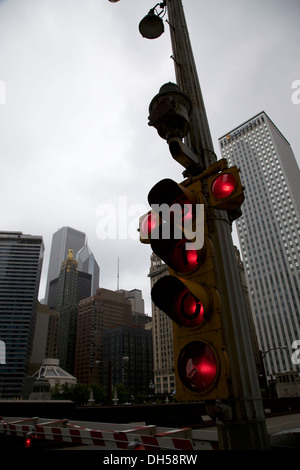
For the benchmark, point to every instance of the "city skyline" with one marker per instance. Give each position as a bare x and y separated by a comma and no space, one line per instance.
74,132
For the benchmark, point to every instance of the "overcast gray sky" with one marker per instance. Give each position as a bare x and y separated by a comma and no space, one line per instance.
76,80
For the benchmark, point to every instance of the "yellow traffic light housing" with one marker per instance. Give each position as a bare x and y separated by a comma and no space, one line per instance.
189,294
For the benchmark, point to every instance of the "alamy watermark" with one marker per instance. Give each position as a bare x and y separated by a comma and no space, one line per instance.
296,94
2,92
296,354
119,221
179,221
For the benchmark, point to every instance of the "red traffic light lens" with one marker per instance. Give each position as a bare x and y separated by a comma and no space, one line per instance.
197,366
223,186
188,309
183,260
149,223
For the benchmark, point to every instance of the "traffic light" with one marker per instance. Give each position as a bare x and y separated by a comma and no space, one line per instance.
28,442
178,234
28,439
225,189
147,224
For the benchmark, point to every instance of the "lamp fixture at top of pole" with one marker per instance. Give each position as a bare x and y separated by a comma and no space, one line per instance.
152,26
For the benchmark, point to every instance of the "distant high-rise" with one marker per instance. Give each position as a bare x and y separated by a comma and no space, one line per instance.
129,352
137,307
88,264
63,240
71,288
269,233
95,314
163,360
136,299
21,258
45,341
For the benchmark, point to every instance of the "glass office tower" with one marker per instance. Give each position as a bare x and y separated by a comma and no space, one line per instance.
21,258
268,234
65,239
88,264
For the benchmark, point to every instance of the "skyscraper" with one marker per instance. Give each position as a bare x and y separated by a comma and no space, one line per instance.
63,240
21,258
268,233
71,288
128,356
88,264
97,313
137,307
163,360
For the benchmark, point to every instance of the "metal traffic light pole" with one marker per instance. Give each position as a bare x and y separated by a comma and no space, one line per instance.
244,427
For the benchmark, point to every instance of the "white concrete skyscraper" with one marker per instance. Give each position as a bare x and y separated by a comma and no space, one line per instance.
268,233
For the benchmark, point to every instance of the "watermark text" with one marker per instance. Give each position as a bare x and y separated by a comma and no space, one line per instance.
296,94
296,354
121,221
2,92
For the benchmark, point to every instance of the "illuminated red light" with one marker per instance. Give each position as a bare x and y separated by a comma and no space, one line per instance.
197,366
149,223
188,309
183,260
223,185
28,442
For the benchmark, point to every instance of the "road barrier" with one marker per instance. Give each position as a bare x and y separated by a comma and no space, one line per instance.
106,435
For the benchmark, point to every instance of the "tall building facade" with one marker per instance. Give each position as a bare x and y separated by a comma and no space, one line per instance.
21,258
252,329
45,341
96,314
136,300
128,354
268,233
63,240
163,360
67,306
71,289
88,264
135,297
